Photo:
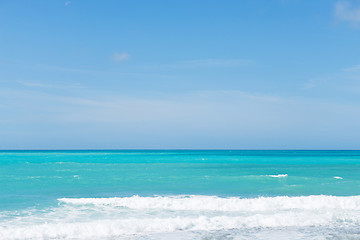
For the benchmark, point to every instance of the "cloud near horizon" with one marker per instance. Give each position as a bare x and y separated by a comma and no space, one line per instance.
224,118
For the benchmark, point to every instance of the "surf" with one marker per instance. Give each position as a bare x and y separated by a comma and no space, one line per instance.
84,218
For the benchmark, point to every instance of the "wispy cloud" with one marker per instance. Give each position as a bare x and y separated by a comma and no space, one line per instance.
352,69
344,11
104,72
309,85
344,81
119,57
204,63
108,108
213,63
47,85
47,67
219,118
236,94
67,3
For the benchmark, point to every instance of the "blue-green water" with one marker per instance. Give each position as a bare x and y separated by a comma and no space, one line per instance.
40,188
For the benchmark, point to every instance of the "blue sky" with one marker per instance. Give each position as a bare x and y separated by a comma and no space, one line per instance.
281,74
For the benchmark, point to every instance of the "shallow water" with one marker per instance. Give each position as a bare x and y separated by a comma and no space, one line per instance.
179,194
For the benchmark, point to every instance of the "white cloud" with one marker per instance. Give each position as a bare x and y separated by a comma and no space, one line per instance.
67,3
119,57
346,12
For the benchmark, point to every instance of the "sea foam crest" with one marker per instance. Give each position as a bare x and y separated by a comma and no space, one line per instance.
121,218
213,203
278,175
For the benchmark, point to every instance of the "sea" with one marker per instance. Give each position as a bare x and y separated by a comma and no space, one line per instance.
179,194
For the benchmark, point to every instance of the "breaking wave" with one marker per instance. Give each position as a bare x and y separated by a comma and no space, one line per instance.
86,218
214,203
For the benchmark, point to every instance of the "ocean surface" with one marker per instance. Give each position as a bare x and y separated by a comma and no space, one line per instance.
188,194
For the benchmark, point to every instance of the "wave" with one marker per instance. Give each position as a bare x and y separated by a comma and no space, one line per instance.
94,218
214,203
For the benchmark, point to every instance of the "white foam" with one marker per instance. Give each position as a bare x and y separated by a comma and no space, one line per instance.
336,177
100,218
131,226
278,175
213,203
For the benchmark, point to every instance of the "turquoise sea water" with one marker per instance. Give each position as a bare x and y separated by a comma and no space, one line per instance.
188,194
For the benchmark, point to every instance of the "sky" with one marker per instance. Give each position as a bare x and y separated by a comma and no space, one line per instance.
279,74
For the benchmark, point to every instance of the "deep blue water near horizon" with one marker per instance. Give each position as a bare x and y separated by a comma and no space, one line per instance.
61,194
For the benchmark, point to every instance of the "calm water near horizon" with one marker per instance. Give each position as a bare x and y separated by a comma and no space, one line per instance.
179,194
